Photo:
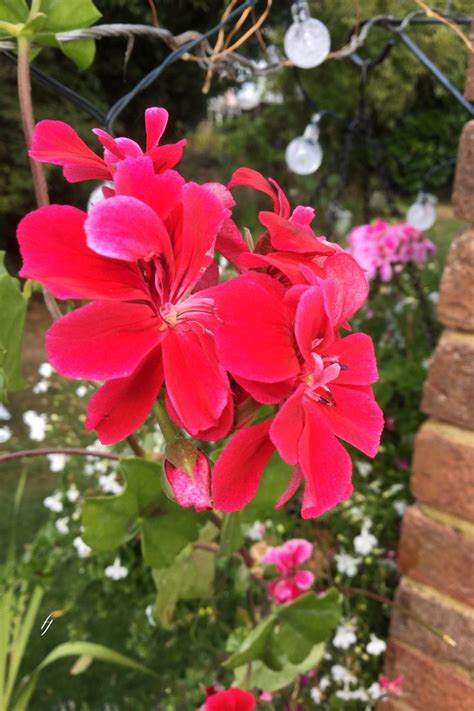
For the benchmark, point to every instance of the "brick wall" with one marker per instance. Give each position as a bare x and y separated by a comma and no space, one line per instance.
437,540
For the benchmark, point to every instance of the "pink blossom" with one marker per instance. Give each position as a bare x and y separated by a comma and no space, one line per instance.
391,686
286,558
191,489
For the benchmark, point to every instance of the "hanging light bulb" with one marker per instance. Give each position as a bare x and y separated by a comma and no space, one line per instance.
307,41
422,214
304,154
248,96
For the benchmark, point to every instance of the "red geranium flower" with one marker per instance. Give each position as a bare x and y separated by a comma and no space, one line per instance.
231,700
284,348
57,142
142,257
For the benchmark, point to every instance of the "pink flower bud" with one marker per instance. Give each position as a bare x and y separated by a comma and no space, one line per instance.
191,489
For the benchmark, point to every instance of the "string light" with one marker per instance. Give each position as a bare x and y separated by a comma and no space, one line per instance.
248,96
304,154
422,214
307,41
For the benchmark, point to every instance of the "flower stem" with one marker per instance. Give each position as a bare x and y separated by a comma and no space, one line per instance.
28,122
168,429
43,451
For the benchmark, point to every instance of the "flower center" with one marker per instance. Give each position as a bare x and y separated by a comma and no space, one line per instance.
326,369
169,314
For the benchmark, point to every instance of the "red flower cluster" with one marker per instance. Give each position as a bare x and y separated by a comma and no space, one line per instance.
145,259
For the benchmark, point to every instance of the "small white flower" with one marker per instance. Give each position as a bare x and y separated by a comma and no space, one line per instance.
434,297
345,637
72,494
5,434
41,386
149,615
81,391
4,414
394,489
316,695
82,549
101,466
376,646
400,507
324,683
57,462
365,541
46,370
364,468
116,571
347,694
375,691
37,425
346,564
256,532
54,503
89,469
109,484
341,674
62,525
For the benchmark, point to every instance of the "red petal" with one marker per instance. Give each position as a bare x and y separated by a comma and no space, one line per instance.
356,418
202,218
238,470
292,488
291,265
231,700
229,241
136,177
125,228
253,179
103,340
356,352
213,434
57,142
288,236
196,384
346,288
121,406
54,250
326,465
255,339
166,157
266,393
310,321
287,427
155,124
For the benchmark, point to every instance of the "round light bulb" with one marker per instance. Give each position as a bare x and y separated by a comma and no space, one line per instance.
248,96
303,155
307,43
422,214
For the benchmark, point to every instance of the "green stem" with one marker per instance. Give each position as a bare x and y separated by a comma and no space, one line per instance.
168,429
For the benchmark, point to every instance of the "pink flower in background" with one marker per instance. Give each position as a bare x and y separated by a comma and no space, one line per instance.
391,686
381,248
58,143
286,558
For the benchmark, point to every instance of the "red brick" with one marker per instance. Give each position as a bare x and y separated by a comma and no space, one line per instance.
428,684
438,555
417,604
463,191
392,704
443,468
456,302
448,393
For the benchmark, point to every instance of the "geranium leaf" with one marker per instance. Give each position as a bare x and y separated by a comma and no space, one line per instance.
12,321
165,527
231,534
13,10
63,16
261,677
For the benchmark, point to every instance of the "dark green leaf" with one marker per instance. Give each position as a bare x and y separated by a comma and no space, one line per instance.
12,321
254,645
231,534
261,677
274,481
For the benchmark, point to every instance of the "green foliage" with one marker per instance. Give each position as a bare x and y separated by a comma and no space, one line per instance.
231,534
165,528
289,634
258,676
12,322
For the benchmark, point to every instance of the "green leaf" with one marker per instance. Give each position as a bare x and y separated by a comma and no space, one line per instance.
62,15
12,321
231,534
290,633
259,676
72,649
190,577
165,527
254,645
13,10
81,52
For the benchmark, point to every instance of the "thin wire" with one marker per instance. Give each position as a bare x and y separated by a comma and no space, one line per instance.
151,77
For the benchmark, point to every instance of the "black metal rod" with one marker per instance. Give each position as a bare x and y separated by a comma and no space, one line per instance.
437,73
